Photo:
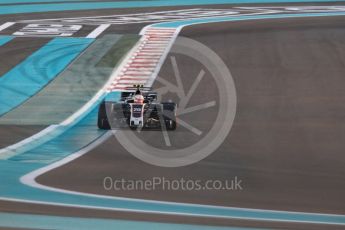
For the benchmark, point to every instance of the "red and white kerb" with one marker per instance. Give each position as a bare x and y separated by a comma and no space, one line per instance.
145,60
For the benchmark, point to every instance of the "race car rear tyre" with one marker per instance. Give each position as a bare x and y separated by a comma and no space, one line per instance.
102,121
169,115
170,124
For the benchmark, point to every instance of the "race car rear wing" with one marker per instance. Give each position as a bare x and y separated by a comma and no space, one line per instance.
138,87
148,95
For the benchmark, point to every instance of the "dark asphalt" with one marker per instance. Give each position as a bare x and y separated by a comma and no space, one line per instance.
18,50
286,143
129,28
11,134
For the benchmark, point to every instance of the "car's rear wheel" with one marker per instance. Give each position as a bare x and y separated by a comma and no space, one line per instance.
169,115
102,121
170,124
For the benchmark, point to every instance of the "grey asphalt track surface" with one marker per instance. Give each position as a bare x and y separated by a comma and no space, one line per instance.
128,28
11,134
286,143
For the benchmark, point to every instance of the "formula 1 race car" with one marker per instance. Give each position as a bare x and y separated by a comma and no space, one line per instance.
137,108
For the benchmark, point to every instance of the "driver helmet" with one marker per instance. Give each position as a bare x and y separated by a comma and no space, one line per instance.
139,99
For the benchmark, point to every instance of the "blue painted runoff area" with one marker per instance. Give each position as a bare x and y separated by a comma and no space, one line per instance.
31,8
5,39
12,220
112,97
38,70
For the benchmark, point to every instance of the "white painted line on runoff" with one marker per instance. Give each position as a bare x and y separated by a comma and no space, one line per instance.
6,25
96,32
